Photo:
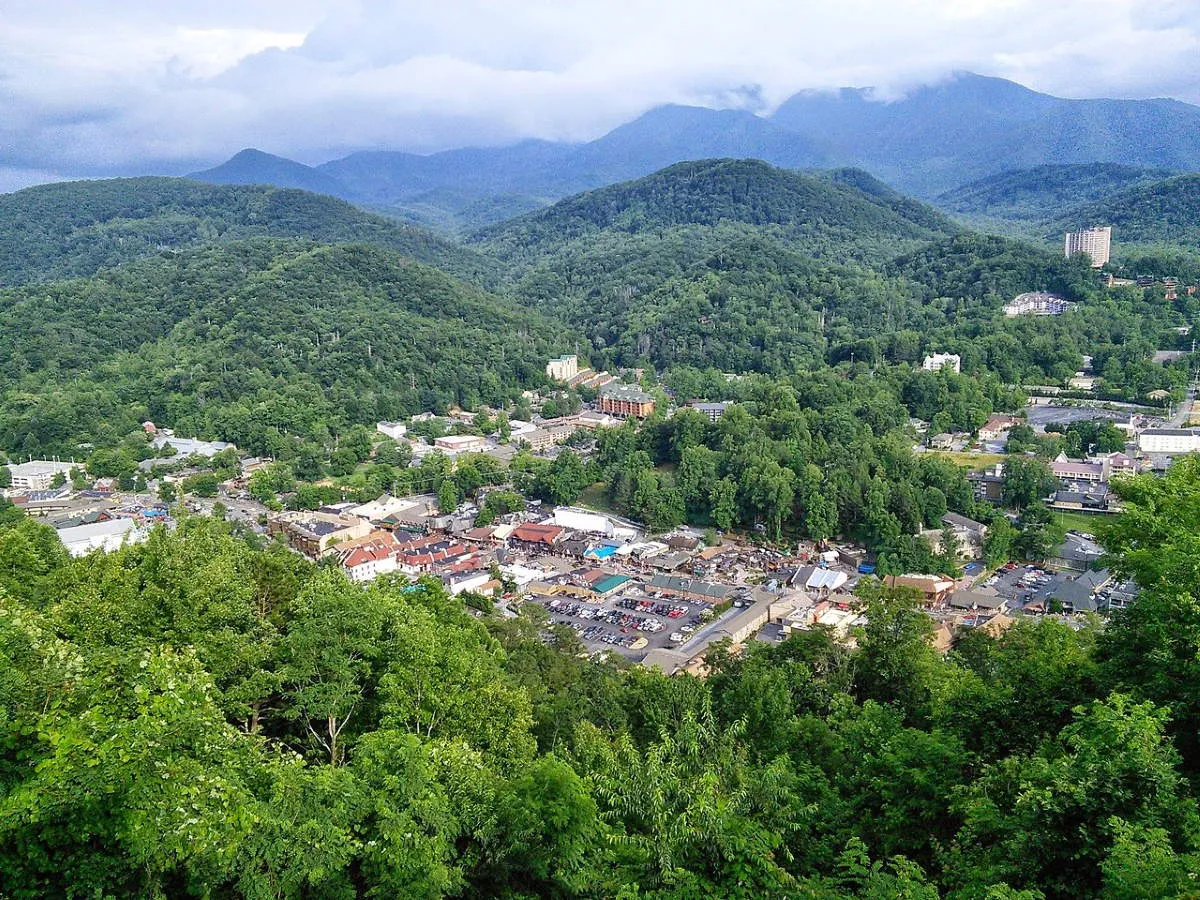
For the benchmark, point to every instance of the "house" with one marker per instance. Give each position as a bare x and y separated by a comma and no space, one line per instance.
394,430
937,361
935,590
977,530
997,426
942,441
625,401
315,533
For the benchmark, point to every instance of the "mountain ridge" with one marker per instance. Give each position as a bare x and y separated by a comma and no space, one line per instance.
936,138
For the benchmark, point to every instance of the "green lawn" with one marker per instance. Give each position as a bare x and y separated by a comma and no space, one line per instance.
593,497
1076,521
976,462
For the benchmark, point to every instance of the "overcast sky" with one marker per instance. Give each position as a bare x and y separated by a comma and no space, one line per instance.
97,87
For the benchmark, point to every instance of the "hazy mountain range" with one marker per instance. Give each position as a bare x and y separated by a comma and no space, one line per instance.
932,141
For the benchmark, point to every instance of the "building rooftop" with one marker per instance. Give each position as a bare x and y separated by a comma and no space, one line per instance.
629,392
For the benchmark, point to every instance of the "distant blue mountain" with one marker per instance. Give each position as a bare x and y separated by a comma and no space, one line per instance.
256,167
928,142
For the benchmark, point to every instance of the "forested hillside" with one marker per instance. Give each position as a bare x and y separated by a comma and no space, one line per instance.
198,716
1162,212
254,340
77,228
822,214
1042,193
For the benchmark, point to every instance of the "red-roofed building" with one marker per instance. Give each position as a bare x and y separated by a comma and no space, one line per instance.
366,558
544,536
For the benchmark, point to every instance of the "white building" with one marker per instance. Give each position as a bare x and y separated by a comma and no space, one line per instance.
37,474
80,540
582,520
942,361
1037,303
1095,242
564,368
191,446
1169,440
394,430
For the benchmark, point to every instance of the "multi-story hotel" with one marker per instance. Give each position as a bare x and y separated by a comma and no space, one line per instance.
1095,242
625,400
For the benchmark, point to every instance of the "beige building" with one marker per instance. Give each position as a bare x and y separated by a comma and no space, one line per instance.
1095,242
564,368
460,443
315,534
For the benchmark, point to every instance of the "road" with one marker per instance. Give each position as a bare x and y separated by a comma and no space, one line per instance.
1184,414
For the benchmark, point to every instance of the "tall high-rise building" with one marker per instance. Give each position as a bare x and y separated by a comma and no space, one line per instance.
1095,242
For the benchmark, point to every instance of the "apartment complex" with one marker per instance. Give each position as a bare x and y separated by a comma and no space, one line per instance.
625,400
1095,242
1037,303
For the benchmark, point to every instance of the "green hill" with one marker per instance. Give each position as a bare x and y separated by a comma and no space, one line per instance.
77,228
807,209
1043,192
1162,212
253,339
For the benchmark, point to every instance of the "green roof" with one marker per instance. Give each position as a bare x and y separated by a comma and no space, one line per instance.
611,583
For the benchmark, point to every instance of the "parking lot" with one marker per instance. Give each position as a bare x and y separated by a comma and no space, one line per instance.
633,623
1025,585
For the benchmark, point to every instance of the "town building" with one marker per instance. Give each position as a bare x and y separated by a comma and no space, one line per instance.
460,443
935,590
1095,242
713,411
625,400
540,439
37,474
1077,470
997,426
315,533
564,368
108,535
394,430
1037,303
190,446
1169,440
938,361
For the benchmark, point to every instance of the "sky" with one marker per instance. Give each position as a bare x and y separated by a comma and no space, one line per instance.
104,87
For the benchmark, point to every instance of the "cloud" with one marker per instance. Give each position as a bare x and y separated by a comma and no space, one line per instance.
99,86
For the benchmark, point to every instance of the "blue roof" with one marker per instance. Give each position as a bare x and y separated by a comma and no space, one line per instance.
601,552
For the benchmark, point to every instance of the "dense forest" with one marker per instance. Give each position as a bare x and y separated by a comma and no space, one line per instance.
253,341
78,228
202,716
